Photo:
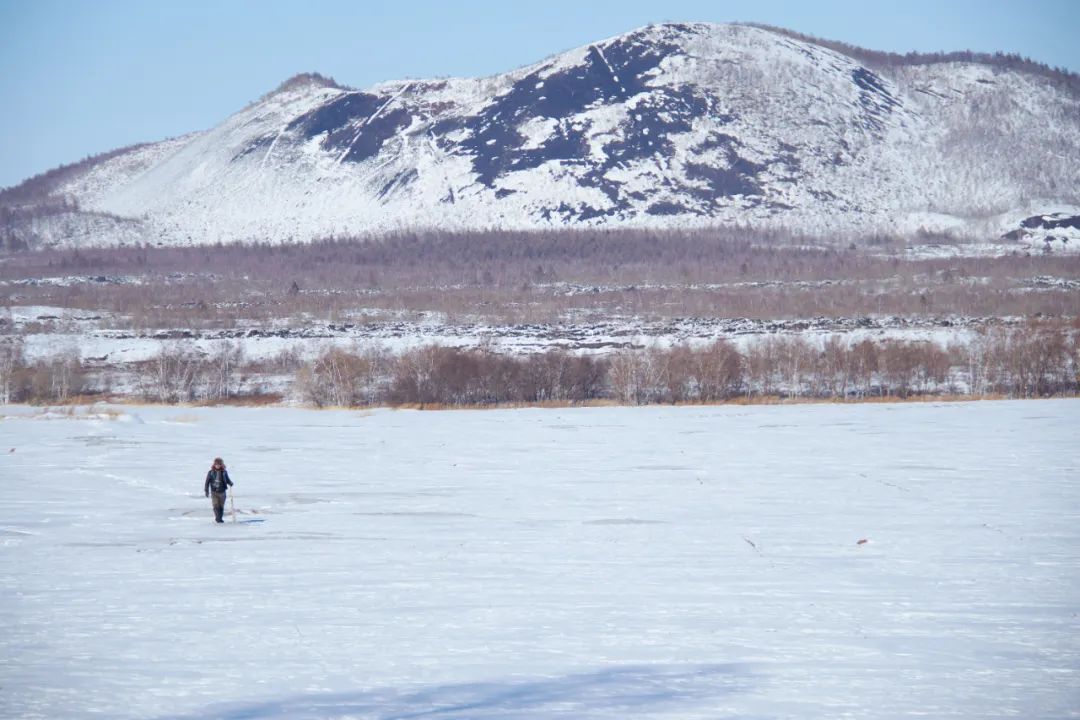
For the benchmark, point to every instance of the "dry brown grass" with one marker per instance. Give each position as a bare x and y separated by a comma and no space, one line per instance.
737,401
546,404
252,400
269,400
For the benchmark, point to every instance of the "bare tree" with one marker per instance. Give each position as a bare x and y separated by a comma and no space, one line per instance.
170,376
639,377
221,371
864,365
11,360
343,379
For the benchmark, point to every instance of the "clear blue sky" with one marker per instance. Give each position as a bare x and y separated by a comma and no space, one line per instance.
79,77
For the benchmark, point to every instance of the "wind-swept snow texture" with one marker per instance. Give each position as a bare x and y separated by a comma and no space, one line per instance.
871,561
675,125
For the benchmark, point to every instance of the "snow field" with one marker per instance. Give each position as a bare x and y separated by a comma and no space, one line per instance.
582,563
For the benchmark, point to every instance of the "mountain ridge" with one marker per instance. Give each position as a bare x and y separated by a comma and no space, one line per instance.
672,125
878,58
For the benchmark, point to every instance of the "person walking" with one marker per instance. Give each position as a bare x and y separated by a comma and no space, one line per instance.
216,485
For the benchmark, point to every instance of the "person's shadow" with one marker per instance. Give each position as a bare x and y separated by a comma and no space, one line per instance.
626,691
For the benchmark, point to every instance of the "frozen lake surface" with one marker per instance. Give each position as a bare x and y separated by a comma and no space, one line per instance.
696,562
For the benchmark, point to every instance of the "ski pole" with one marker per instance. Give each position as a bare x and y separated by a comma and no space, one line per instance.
232,507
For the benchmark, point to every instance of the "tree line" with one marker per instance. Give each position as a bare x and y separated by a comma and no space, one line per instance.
525,277
1031,361
1034,360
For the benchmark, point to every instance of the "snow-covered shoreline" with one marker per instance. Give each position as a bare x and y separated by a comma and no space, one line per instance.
82,332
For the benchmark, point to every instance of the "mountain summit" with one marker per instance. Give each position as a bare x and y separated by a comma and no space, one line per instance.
665,126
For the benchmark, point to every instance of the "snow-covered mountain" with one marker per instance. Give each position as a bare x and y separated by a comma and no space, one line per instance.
668,125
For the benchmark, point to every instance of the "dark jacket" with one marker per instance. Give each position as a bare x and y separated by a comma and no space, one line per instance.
217,481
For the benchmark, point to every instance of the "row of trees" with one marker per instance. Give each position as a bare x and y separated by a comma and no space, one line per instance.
508,277
180,374
1028,361
57,379
1034,361
436,375
175,374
